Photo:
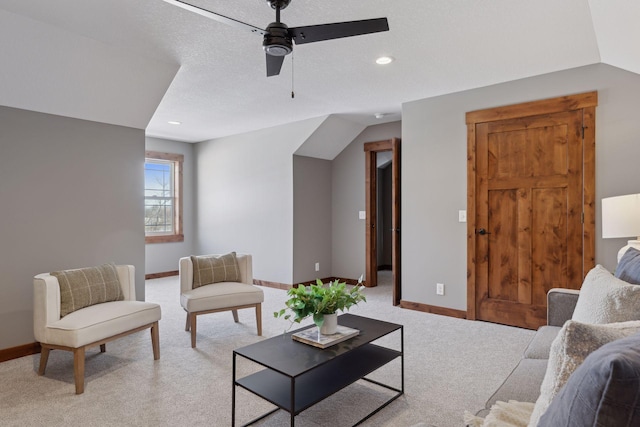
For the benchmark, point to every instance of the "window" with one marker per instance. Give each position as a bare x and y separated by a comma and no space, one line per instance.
163,197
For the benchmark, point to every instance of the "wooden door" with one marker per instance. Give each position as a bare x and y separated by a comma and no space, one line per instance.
371,149
533,182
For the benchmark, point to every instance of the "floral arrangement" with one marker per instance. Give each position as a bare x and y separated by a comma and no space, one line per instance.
318,300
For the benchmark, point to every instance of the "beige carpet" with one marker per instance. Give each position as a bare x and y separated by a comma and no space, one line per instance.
451,365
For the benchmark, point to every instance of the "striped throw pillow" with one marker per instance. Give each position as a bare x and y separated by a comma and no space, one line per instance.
208,269
83,287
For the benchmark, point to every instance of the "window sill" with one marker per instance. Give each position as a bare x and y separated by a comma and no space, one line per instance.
164,239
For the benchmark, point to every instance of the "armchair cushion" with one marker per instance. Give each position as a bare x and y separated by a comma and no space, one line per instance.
228,294
210,269
101,321
84,287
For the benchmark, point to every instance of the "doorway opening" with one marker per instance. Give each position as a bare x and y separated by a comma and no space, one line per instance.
382,168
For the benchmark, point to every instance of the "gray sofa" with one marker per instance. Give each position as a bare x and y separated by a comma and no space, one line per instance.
523,383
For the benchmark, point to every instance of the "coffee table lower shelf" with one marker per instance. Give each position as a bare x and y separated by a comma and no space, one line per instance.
316,385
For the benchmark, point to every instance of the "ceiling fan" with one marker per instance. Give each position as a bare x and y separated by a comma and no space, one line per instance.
278,38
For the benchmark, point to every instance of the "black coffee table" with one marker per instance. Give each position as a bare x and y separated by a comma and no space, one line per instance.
298,375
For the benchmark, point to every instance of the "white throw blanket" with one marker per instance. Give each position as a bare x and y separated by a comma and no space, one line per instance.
503,414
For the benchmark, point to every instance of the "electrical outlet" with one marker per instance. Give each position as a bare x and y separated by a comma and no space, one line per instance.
317,266
439,288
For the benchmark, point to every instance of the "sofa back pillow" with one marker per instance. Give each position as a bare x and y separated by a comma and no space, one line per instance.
603,391
208,269
83,287
628,268
574,343
606,299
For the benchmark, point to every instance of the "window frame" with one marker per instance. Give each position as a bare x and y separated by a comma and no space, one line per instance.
177,235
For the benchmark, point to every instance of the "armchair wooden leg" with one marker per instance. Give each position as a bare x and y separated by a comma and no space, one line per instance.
193,329
259,318
78,369
103,348
186,327
235,315
44,357
155,341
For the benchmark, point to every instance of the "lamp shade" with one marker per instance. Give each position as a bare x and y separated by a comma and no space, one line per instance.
621,216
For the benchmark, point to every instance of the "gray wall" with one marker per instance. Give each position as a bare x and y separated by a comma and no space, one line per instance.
311,218
163,257
245,197
348,198
251,195
434,170
71,195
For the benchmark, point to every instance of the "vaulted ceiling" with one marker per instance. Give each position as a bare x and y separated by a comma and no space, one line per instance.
144,63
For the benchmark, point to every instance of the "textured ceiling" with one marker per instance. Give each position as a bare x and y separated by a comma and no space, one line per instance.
220,88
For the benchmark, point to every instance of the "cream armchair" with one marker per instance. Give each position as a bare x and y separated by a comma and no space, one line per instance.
221,296
90,326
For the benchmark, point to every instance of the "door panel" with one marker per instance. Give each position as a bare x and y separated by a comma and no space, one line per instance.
550,233
503,243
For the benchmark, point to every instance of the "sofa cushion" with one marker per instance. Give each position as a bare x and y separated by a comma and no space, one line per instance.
522,384
84,287
628,268
208,269
574,343
606,299
539,346
603,391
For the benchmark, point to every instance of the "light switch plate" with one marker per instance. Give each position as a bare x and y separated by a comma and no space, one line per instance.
462,216
362,214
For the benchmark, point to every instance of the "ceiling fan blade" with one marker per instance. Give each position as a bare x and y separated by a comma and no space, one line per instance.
316,33
216,16
274,64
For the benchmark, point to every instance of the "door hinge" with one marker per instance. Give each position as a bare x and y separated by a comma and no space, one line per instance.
582,218
582,132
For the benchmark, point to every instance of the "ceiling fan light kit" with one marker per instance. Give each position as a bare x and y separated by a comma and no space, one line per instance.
277,41
278,38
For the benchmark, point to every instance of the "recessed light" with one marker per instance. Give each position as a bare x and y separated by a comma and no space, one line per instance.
173,122
379,115
384,60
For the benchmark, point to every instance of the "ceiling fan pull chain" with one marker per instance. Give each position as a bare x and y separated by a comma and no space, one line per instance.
293,95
